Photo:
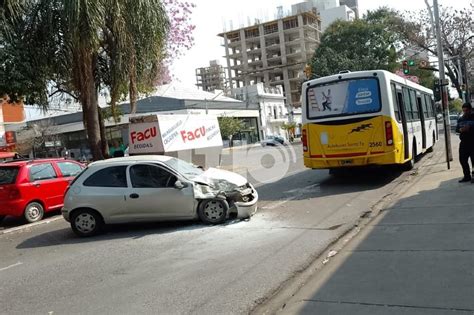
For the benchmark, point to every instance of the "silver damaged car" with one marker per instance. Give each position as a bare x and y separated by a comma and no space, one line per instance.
154,188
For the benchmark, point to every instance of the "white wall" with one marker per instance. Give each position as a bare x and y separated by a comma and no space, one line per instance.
339,13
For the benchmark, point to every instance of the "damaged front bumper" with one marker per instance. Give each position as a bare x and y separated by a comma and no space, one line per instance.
244,202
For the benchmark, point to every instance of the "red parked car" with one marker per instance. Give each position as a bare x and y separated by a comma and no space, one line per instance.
31,188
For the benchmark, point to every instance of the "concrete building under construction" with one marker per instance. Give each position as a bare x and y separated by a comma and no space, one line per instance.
274,52
211,78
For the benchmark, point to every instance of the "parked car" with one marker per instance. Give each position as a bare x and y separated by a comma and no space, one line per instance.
30,188
272,141
154,188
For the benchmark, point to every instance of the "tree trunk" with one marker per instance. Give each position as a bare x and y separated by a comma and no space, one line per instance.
89,100
103,135
133,90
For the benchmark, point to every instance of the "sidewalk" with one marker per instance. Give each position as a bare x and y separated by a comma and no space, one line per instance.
416,257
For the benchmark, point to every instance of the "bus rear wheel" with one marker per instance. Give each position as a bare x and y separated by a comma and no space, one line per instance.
408,166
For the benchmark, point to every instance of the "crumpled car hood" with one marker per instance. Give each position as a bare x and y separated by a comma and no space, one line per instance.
221,179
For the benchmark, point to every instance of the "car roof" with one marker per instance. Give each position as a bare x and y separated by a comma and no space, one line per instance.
132,159
32,162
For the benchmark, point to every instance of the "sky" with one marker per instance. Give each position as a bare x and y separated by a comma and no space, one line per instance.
210,16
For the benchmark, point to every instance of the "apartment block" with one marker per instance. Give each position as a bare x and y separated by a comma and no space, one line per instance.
274,52
352,4
211,78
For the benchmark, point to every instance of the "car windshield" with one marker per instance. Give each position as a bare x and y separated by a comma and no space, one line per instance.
8,175
187,169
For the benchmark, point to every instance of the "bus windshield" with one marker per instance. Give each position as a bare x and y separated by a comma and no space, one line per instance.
343,98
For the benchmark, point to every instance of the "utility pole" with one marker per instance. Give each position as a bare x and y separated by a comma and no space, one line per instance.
444,92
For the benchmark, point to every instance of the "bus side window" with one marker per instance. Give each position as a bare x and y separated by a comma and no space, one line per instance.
416,114
422,105
396,105
429,106
407,104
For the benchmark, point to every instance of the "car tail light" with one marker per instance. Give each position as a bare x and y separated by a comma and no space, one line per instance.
389,133
304,140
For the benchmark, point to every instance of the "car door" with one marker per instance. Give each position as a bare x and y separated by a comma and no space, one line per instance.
68,171
44,185
105,190
153,194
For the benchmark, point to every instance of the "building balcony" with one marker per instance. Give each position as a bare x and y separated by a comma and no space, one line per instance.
256,51
272,35
277,119
273,58
273,47
255,62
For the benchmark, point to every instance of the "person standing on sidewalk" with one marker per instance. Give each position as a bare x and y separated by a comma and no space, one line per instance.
465,128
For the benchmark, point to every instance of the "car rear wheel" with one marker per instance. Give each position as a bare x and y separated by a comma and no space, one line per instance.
1,218
86,223
213,211
34,212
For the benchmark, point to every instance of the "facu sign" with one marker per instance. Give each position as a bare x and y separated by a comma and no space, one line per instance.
142,136
193,135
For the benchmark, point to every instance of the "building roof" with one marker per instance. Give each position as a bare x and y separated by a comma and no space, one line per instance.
181,92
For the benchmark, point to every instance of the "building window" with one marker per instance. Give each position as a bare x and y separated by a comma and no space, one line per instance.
252,33
292,23
270,28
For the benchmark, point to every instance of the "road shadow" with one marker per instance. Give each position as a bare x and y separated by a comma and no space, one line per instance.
65,236
416,260
11,222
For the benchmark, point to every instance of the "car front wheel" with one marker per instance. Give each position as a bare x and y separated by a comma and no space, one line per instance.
34,212
85,222
213,211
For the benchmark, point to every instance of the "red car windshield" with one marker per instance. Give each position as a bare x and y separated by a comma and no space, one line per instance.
8,175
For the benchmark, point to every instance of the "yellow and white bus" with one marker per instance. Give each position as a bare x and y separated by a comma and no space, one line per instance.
366,118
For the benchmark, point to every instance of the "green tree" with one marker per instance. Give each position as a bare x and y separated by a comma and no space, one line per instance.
455,106
363,44
457,35
229,126
289,128
80,47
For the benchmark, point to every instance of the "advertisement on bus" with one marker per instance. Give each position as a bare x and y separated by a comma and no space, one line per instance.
342,98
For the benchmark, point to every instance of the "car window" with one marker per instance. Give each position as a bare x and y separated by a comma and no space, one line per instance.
42,172
112,177
69,169
148,176
8,175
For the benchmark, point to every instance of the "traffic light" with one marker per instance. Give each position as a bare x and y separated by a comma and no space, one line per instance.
405,67
411,63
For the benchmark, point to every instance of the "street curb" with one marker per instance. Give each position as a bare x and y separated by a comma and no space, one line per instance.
31,225
278,299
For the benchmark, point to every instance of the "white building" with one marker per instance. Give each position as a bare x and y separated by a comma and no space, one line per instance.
331,15
271,104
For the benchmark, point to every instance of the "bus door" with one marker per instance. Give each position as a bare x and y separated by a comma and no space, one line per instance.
404,117
421,111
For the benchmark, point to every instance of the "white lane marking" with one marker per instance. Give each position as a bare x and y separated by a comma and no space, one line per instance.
27,226
11,266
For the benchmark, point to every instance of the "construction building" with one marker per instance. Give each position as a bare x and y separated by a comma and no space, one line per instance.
211,78
274,52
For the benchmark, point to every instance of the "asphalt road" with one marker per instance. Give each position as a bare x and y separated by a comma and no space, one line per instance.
172,268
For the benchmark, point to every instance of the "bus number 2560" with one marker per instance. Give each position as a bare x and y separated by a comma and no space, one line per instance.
375,144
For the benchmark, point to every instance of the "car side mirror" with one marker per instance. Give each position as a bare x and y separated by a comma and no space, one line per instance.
180,185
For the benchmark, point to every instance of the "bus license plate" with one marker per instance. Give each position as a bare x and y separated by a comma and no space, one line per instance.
346,162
